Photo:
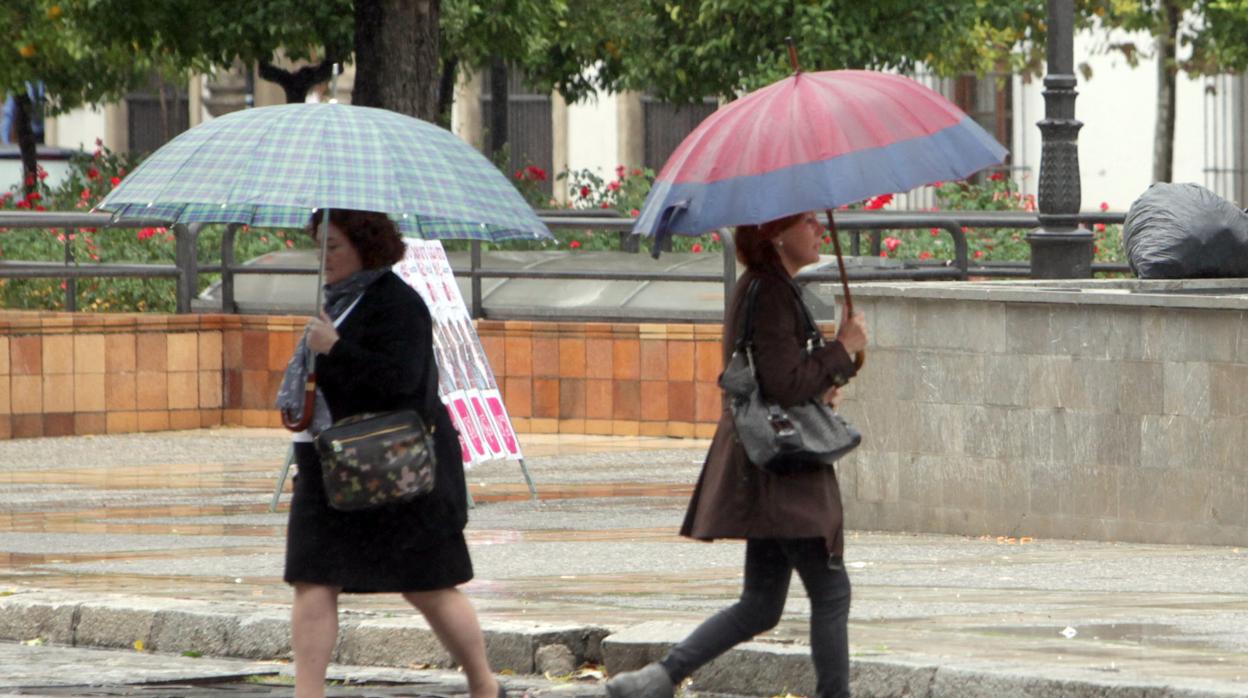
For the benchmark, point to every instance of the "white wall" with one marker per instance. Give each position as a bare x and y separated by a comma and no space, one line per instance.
79,129
1118,109
593,139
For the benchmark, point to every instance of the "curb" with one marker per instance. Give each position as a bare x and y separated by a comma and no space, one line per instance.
254,631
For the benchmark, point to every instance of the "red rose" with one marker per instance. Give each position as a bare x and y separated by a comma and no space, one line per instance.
1099,227
574,244
892,244
925,255
115,181
697,247
584,192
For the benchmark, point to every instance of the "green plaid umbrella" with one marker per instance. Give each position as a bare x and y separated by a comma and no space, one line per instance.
271,167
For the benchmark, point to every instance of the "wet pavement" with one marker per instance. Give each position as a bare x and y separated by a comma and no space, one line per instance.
184,515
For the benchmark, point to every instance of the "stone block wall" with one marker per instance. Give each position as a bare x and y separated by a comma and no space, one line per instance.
1019,412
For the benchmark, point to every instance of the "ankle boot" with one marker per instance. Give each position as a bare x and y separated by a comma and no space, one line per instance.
650,681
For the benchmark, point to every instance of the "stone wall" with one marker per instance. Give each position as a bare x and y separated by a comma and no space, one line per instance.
1100,410
1019,410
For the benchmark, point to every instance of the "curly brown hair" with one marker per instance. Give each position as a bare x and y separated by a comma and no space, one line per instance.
373,235
753,242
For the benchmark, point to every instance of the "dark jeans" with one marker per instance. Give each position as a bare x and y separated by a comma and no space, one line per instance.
769,566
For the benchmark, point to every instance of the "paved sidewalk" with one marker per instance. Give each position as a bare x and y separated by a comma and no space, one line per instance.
166,538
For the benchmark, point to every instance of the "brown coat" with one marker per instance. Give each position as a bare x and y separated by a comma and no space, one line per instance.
735,499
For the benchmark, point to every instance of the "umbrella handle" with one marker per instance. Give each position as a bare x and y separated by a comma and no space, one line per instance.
861,357
309,406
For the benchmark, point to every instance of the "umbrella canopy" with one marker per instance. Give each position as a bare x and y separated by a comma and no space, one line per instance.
271,167
813,141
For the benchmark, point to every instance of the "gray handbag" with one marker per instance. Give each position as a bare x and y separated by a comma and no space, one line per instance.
779,439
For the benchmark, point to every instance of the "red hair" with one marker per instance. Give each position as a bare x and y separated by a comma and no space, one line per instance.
753,242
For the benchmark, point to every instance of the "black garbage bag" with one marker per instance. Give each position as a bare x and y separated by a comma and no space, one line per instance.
1185,231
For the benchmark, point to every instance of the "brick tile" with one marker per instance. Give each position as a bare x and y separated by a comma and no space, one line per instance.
680,430
255,350
572,426
27,426
125,422
58,424
4,358
626,400
232,349
153,420
653,428
89,353
182,351
654,401
680,360
545,357
151,352
572,398
598,358
626,359
680,401
6,395
89,392
58,393
184,419
210,390
281,347
210,351
708,402
255,418
233,418
598,399
624,427
119,353
543,426
255,393
58,354
6,427
653,359
120,391
152,390
495,347
704,431
183,389
232,389
518,396
545,398
708,361
519,356
210,418
90,423
598,427
572,358
26,356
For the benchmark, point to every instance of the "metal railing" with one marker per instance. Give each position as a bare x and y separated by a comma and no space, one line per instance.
186,267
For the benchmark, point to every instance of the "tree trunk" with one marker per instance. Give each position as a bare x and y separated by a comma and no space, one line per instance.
498,106
446,92
396,56
26,142
297,84
1163,135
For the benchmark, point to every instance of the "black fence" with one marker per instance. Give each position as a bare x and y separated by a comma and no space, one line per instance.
864,228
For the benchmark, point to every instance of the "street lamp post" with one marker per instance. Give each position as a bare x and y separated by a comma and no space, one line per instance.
1060,249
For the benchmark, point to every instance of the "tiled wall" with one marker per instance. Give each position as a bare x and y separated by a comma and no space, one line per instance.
68,373
590,378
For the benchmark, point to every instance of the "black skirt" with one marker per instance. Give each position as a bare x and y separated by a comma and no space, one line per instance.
382,550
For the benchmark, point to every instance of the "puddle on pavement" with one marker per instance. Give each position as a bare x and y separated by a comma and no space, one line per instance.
513,492
1133,633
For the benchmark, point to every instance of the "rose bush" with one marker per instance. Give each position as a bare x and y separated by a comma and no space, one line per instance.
90,179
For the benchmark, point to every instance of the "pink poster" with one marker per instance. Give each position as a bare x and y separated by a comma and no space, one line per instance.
466,382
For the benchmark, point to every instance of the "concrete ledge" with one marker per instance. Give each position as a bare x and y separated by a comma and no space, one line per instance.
771,669
254,631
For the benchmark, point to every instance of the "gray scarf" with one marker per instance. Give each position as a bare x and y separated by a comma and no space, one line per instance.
290,396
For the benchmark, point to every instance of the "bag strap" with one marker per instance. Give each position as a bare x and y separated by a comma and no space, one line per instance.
746,337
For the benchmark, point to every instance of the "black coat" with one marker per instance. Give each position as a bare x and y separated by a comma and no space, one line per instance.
383,360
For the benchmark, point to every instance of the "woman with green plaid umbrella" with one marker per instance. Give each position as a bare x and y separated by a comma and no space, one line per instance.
380,175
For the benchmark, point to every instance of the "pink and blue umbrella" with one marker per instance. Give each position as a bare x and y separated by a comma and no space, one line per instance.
813,141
